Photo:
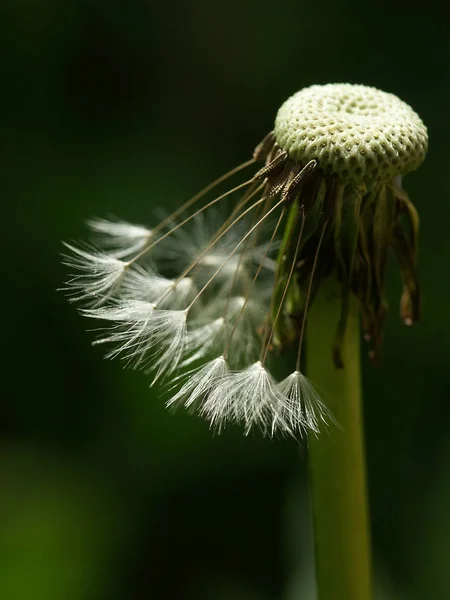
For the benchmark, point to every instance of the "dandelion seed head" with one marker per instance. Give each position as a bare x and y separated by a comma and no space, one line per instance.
358,132
206,298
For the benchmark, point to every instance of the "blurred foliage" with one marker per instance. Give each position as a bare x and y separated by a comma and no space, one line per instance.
118,108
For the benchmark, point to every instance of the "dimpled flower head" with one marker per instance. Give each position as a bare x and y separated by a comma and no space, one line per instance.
206,300
359,133
362,141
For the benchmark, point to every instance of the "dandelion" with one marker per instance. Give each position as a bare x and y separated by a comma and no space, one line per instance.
206,299
220,294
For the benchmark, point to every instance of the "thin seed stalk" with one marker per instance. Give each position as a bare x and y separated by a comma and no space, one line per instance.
336,456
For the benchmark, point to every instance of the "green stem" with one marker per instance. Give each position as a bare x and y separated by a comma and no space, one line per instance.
336,456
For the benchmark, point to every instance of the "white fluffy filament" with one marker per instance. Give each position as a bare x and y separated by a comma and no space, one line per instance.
99,274
145,284
200,382
141,332
249,397
226,272
305,410
122,239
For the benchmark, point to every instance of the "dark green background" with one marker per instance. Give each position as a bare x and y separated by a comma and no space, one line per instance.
120,108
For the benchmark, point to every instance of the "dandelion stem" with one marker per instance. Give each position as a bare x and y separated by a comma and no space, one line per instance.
336,457
308,297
